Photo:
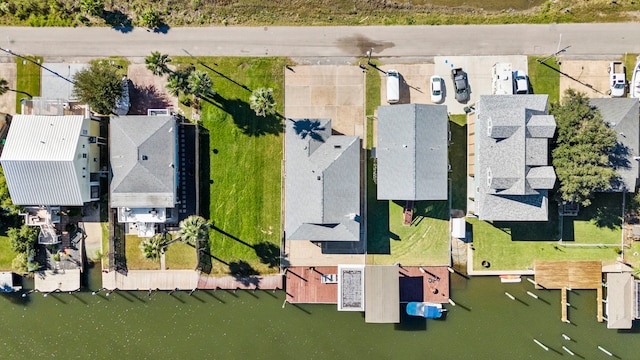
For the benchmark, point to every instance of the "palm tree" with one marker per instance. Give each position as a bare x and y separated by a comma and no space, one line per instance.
157,63
261,101
153,247
199,83
193,229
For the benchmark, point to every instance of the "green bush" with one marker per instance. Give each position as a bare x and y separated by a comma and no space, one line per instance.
22,239
150,18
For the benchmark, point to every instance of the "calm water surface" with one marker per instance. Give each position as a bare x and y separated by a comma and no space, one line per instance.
485,325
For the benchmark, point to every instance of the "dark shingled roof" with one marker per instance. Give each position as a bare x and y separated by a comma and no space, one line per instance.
512,176
322,182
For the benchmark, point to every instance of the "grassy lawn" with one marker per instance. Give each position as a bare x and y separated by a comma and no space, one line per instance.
120,63
180,256
6,254
318,12
425,242
544,80
373,81
629,62
177,256
105,239
514,246
245,156
458,161
28,80
632,254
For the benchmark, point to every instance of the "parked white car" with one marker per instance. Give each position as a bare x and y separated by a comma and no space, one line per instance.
436,89
520,82
617,79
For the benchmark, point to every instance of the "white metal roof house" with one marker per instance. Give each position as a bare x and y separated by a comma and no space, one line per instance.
144,164
322,182
49,160
508,139
412,152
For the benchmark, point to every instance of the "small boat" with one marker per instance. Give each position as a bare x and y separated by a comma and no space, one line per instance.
426,310
635,80
510,278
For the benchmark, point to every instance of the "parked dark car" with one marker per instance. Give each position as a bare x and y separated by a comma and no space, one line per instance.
460,84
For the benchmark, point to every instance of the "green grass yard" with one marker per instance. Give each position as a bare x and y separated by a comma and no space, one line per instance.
515,246
6,254
177,256
544,80
245,157
27,80
629,62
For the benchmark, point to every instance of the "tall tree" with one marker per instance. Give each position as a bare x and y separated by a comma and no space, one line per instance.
23,238
262,102
193,229
150,18
92,7
99,86
153,247
200,83
583,146
157,63
178,81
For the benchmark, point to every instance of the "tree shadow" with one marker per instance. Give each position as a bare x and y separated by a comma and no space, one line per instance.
244,273
245,118
268,253
146,97
245,87
118,20
607,218
162,29
217,229
204,183
308,127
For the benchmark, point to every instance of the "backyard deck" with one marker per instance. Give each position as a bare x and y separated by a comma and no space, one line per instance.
306,285
570,275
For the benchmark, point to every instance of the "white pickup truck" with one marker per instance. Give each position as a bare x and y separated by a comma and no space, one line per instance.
617,79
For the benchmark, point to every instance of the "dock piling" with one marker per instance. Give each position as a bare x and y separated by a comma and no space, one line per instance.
605,350
541,344
510,296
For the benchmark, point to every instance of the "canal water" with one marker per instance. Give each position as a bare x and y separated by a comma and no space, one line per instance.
485,324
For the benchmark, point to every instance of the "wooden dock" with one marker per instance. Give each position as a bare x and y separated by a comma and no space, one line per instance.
568,275
600,315
565,318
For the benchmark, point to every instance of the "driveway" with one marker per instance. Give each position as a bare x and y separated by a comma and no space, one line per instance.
478,69
327,91
54,87
588,76
148,91
8,72
414,83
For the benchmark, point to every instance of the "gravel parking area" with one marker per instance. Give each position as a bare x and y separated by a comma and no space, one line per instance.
587,76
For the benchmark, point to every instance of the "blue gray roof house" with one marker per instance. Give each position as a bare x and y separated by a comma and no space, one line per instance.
412,152
512,174
143,161
623,115
322,182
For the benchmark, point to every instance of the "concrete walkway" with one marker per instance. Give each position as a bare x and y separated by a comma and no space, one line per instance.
151,279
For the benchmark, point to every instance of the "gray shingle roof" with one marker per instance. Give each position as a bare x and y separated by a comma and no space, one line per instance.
412,152
322,182
143,161
623,115
511,176
40,163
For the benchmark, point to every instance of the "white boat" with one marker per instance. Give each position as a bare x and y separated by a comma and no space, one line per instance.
635,80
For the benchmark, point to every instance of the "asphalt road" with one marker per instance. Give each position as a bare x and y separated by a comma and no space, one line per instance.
387,41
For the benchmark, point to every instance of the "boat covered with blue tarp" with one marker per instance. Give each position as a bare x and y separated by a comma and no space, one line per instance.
426,310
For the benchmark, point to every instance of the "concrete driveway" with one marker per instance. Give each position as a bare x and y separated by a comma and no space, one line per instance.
54,87
148,91
478,69
8,72
326,91
589,75
414,83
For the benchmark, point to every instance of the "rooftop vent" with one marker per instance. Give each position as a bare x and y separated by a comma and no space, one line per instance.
145,157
